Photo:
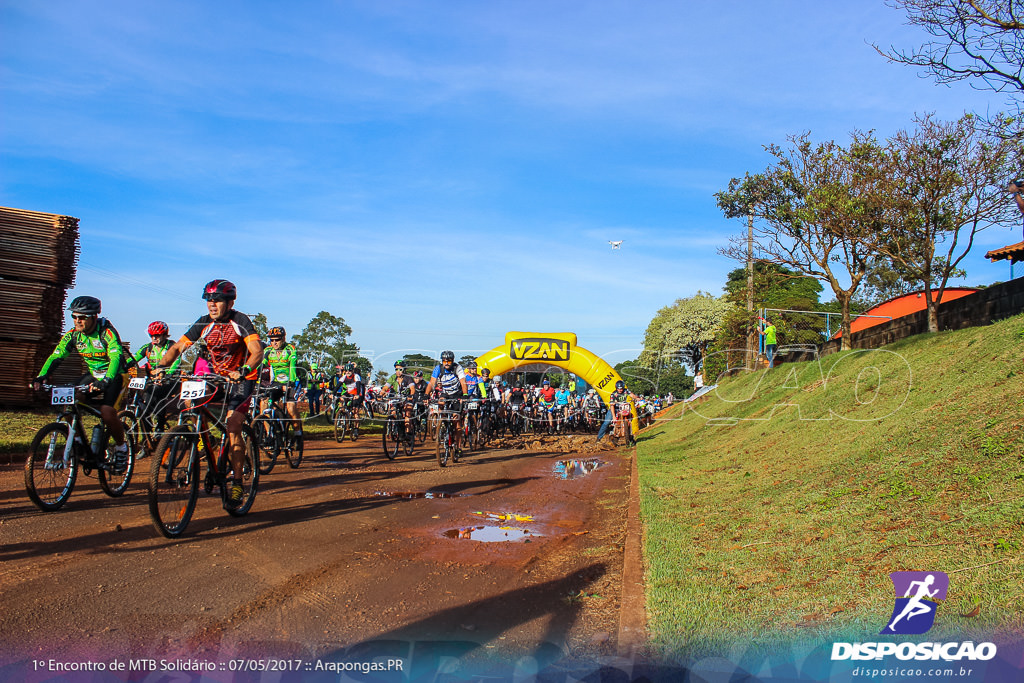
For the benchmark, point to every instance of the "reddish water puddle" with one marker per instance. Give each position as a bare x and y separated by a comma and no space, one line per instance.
574,469
490,534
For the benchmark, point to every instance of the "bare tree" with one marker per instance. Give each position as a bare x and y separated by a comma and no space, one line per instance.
980,41
946,183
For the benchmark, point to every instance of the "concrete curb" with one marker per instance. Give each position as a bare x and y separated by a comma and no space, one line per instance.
632,610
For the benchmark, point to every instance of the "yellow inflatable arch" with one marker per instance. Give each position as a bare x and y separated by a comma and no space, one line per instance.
560,350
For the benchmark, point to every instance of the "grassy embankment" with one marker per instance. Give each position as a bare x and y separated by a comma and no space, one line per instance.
768,523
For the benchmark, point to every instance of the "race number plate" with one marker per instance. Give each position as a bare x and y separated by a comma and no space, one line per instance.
62,396
472,405
137,383
191,390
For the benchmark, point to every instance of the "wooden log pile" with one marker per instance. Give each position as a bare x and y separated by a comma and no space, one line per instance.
38,259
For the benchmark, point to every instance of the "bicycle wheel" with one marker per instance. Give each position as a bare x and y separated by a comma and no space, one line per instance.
265,432
133,430
295,448
250,472
422,428
49,487
353,425
340,425
115,485
174,481
432,424
409,438
387,436
443,442
453,450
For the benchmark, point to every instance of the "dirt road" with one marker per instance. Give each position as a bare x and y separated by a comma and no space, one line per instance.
342,559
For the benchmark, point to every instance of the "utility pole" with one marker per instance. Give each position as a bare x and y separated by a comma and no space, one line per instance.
751,355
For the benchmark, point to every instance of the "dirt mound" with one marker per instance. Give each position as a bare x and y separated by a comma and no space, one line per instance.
571,443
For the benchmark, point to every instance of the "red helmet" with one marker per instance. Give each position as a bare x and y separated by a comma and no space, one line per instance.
157,327
219,290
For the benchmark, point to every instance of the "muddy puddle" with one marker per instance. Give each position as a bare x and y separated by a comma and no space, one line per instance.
429,495
574,469
491,534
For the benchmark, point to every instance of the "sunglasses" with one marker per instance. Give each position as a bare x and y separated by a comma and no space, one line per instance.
76,316
216,298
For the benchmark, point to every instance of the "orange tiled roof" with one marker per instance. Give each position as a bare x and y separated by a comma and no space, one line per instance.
1014,252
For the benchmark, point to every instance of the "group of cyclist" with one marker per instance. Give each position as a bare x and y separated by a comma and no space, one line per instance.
231,347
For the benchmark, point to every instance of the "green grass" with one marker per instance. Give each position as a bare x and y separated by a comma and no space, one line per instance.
775,510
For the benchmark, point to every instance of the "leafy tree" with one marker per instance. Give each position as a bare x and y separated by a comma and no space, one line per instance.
688,326
981,41
324,340
946,183
669,376
417,361
381,378
464,361
259,321
819,212
886,281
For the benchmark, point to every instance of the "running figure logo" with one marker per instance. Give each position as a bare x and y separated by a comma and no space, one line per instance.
917,597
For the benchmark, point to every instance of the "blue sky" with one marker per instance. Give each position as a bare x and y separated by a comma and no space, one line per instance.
435,173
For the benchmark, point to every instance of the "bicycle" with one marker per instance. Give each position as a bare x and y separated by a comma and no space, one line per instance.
622,421
447,427
144,421
394,435
60,449
274,433
471,426
175,471
346,423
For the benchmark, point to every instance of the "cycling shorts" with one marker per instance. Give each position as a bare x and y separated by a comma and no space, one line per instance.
234,396
110,394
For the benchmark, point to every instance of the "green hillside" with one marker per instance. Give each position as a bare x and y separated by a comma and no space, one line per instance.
775,508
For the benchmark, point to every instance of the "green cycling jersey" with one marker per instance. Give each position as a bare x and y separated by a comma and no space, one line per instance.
282,364
101,350
154,352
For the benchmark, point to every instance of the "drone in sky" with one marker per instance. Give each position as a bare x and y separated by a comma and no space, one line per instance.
616,244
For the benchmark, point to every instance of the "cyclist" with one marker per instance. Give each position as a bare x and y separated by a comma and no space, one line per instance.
450,379
281,358
314,378
351,390
562,403
546,398
100,347
592,408
620,396
405,386
236,353
148,356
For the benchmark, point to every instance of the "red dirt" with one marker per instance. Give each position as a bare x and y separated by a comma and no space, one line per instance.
322,564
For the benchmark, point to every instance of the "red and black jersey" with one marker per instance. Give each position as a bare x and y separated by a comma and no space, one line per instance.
227,340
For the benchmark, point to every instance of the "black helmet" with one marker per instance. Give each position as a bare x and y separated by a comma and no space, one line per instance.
277,332
400,364
447,355
486,372
219,290
88,305
620,385
471,365
351,366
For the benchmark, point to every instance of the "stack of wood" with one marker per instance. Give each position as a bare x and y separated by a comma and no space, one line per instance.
38,258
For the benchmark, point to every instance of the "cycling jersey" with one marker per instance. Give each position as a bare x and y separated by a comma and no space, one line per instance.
227,341
401,385
562,397
282,364
474,385
353,386
101,350
547,395
154,352
517,395
448,380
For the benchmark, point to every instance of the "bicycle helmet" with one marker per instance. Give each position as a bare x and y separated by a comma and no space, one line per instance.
546,383
486,372
448,355
350,367
417,373
400,364
620,385
89,305
219,290
157,327
471,365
